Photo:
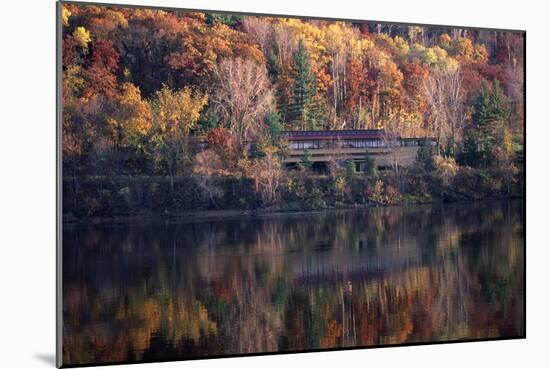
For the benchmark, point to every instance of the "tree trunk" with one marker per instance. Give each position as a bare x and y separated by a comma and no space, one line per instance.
172,184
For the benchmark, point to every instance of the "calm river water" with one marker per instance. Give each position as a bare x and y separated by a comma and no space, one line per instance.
381,276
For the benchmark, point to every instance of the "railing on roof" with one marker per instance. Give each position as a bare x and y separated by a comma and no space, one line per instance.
337,133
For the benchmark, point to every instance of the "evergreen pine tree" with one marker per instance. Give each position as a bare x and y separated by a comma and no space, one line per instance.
369,166
305,109
350,170
482,107
498,103
306,162
274,126
272,67
280,75
425,156
490,114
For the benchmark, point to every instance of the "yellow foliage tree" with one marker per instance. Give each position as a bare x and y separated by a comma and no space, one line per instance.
82,36
132,118
174,114
65,14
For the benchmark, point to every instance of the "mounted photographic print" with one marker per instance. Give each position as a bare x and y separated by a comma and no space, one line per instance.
237,184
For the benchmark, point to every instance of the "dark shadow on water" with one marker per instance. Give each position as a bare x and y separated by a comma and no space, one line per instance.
46,358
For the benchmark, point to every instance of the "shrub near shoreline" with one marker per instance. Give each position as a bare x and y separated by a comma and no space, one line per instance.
126,196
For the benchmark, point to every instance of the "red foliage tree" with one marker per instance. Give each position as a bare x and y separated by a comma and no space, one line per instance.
101,73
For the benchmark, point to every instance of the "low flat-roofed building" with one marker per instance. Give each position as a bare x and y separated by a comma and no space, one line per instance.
325,146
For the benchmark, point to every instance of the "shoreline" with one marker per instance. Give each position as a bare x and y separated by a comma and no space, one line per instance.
212,215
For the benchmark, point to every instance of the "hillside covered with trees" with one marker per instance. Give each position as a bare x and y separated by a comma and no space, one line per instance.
143,88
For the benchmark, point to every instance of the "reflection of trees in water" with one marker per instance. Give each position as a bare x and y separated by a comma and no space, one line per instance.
250,323
385,276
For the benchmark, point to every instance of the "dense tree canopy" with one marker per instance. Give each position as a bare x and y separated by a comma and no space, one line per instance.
142,88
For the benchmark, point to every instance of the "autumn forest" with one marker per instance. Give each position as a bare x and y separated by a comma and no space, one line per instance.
166,111
225,180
